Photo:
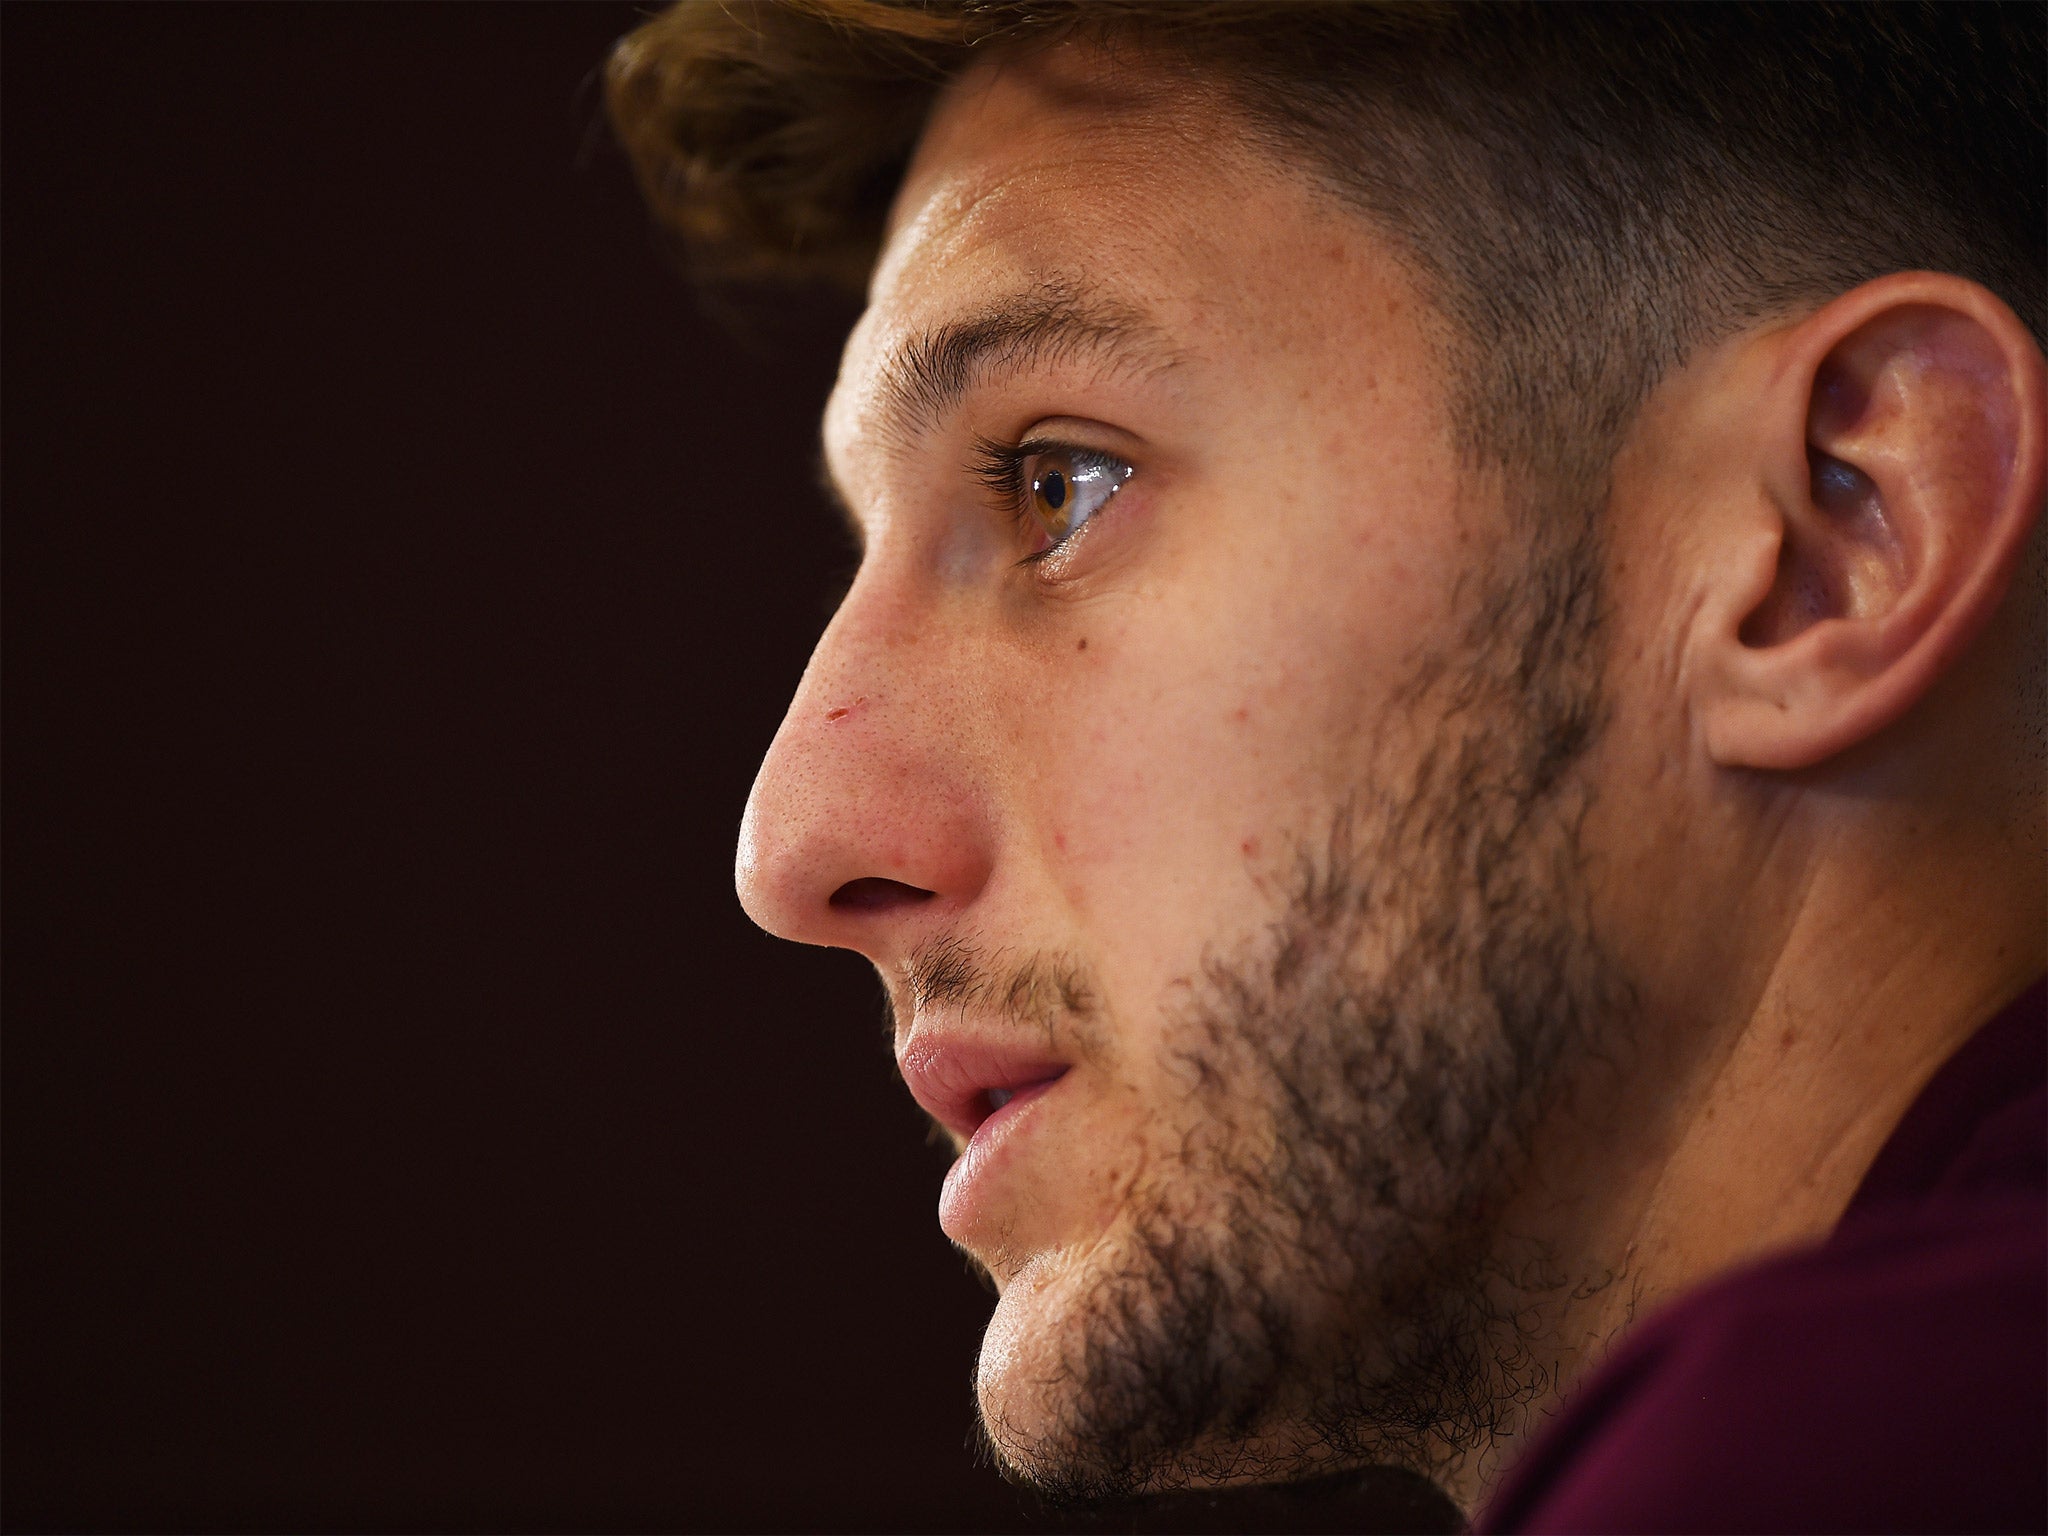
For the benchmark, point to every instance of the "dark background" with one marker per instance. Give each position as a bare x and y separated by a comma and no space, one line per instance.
403,1127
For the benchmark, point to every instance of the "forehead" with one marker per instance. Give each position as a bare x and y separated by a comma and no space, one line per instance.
1128,185
1022,156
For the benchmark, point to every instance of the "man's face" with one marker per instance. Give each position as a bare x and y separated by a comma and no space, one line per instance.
1174,759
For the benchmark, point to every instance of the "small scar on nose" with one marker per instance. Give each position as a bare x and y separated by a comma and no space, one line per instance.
841,714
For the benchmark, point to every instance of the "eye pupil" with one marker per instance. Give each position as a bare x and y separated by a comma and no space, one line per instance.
1053,487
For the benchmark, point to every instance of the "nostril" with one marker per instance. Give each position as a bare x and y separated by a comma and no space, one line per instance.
875,895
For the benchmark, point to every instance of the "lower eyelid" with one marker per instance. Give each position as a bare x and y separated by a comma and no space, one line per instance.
1051,561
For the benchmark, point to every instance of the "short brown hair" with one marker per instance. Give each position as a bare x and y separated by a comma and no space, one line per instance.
1589,191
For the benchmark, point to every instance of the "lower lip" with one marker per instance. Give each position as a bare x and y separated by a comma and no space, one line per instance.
968,1180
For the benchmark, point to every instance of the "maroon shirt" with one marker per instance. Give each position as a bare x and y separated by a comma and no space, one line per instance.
1894,1378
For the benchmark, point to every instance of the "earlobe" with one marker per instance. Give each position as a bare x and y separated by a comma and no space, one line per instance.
1901,456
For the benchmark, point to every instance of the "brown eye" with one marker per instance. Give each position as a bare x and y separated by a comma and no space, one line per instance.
1052,494
1070,486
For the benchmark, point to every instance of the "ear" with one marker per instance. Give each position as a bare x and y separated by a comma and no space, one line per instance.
1900,436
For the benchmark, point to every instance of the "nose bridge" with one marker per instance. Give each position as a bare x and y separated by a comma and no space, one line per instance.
870,777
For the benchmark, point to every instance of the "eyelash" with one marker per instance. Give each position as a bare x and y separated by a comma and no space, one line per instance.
1000,466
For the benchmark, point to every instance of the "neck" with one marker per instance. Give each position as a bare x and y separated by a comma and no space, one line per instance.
1756,1093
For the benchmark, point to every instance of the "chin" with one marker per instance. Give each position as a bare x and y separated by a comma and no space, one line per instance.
1028,1373
1058,1409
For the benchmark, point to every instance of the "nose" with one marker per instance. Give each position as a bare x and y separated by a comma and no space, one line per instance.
866,829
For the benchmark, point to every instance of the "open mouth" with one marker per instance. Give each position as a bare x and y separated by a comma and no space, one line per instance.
986,1128
964,1084
982,1088
996,1100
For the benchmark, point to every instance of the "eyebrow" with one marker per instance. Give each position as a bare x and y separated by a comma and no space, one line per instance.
1054,321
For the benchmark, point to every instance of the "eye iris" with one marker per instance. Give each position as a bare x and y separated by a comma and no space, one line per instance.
1053,493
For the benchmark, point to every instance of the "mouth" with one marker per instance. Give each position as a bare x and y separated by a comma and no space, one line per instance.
967,1085
985,1093
1005,1102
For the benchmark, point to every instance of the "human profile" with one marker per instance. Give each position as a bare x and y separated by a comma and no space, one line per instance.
1439,740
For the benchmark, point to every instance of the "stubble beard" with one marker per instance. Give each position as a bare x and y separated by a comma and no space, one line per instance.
1313,1276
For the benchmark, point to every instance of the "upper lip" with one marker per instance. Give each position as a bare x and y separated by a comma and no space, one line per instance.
950,1075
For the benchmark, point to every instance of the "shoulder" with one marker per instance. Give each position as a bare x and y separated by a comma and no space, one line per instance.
1891,1379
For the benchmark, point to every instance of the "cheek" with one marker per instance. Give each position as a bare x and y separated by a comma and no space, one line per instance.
1171,784
1227,703
1150,781
1193,738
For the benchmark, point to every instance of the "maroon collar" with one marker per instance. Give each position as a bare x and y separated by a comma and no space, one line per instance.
1981,1117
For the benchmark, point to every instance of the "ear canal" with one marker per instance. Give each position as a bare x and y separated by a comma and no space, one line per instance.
1840,558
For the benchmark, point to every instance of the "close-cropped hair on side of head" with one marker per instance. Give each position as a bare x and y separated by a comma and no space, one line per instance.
1589,193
